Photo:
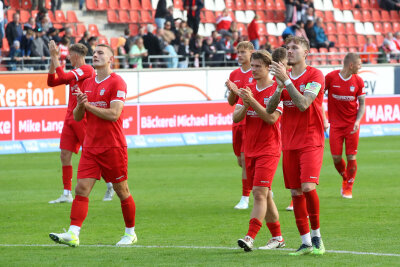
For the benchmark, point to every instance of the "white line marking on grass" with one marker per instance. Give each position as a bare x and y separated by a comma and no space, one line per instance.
198,247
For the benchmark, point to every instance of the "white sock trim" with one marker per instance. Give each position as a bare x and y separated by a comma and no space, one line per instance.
75,229
66,192
306,239
315,233
130,231
245,199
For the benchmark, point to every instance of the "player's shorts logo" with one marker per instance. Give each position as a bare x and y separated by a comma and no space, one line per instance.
102,91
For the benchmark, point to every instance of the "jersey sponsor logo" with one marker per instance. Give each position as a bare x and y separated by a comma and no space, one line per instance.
288,103
343,97
102,91
352,88
100,104
237,81
73,89
79,71
121,94
337,86
250,79
313,87
252,113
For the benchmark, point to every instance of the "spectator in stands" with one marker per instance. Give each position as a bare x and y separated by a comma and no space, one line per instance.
209,50
161,13
40,49
136,54
309,15
121,53
42,12
193,8
43,21
184,52
320,36
170,17
85,39
310,32
16,57
69,34
234,28
290,31
63,50
185,31
172,62
168,35
37,4
81,3
56,5
396,39
224,49
92,43
389,46
14,30
300,31
369,47
252,30
52,34
389,4
290,4
26,43
152,44
30,24
2,33
129,39
224,21
196,47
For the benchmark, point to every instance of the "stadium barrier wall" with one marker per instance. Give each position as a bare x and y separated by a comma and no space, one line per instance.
38,129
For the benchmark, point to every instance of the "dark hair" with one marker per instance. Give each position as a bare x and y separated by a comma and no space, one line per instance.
80,49
279,54
264,55
108,47
298,40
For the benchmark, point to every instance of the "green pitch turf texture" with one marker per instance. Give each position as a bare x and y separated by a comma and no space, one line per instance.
184,198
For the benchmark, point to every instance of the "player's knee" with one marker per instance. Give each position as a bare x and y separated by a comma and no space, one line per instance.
82,190
296,192
259,194
337,158
65,157
307,187
351,157
122,190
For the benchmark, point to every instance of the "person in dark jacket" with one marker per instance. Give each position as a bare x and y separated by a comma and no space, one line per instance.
152,44
309,28
161,14
193,8
40,49
14,30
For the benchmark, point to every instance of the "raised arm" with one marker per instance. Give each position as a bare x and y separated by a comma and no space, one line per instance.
360,113
233,92
79,110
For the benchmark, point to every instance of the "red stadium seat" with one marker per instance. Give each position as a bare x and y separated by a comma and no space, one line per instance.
280,5
333,38
134,29
353,50
270,5
366,15
394,15
376,15
26,5
114,43
396,26
330,28
386,15
340,28
378,27
59,16
261,15
262,30
360,40
250,5
47,4
357,15
103,40
102,5
352,41
209,17
114,4
71,17
145,16
347,5
34,13
260,5
178,4
323,58
379,40
146,5
365,4
6,47
91,5
337,4
242,29
123,16
387,27
24,16
10,14
134,15
374,4
329,16
280,16
239,5
263,40
51,16
112,16
349,28
125,4
94,31
15,4
80,29
273,41
230,4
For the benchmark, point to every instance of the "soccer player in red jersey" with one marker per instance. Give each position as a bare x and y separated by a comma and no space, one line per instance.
240,77
104,148
73,132
302,138
345,88
262,147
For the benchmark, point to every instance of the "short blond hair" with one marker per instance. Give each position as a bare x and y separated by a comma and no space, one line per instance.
298,40
263,55
245,45
350,58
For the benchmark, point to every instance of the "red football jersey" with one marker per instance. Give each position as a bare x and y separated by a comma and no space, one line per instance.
261,138
342,98
100,132
241,78
304,129
74,79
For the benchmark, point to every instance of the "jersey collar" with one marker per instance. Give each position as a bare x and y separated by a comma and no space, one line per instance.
341,77
95,79
244,71
262,89
295,78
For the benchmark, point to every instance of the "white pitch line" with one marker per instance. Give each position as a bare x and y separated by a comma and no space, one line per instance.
199,247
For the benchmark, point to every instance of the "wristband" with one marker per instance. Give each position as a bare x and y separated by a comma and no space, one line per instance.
287,82
279,89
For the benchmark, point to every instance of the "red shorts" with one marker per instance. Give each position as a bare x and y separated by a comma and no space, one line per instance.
302,166
260,170
109,162
72,135
238,139
338,135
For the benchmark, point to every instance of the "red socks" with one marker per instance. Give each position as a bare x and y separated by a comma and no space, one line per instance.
254,227
246,188
341,168
67,177
128,211
351,170
274,228
300,213
79,210
313,208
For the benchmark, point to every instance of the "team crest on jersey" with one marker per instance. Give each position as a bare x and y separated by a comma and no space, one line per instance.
302,87
250,79
102,91
352,88
266,100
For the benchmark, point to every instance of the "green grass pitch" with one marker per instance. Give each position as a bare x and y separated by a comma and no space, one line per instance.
184,198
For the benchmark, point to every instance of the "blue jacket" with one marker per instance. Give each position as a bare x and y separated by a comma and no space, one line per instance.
320,34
